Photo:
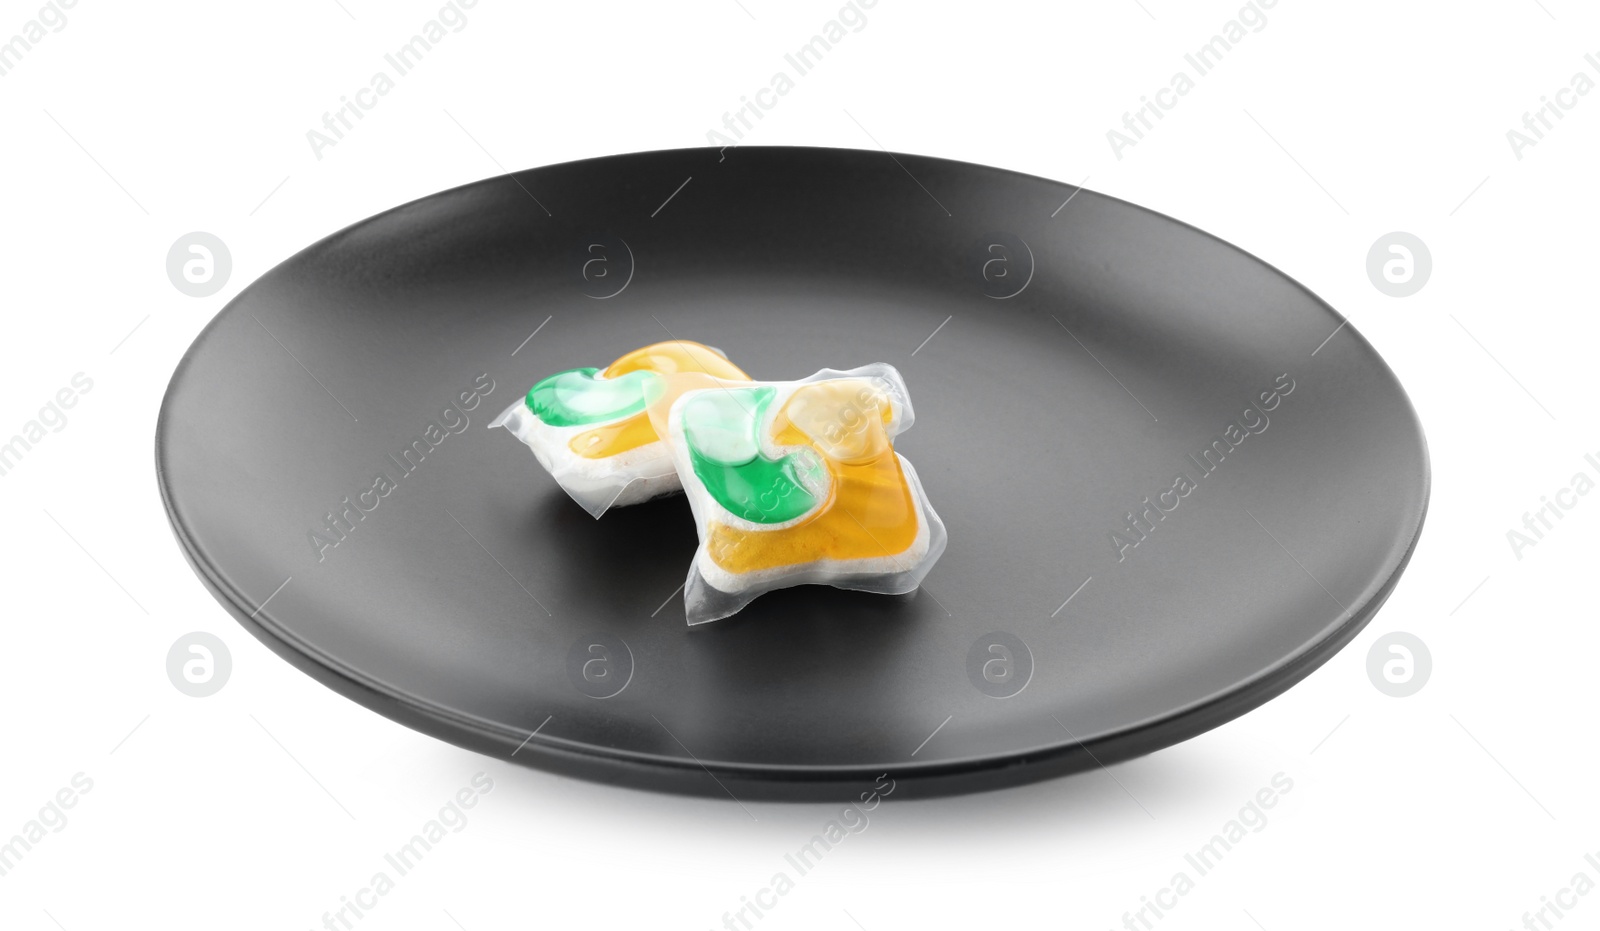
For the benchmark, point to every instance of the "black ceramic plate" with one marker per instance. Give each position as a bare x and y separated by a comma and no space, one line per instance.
1170,494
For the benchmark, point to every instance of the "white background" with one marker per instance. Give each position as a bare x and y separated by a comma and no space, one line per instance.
1462,806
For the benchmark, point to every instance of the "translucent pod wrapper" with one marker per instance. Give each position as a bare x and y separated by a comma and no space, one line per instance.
796,483
589,428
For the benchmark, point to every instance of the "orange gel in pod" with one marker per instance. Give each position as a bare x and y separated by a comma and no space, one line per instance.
673,357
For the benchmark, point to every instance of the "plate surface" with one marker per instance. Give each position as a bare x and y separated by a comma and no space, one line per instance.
1068,364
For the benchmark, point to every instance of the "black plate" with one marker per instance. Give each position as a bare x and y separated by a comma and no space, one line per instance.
1066,363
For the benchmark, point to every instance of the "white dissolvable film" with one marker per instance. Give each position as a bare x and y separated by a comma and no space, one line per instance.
796,483
630,477
591,407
